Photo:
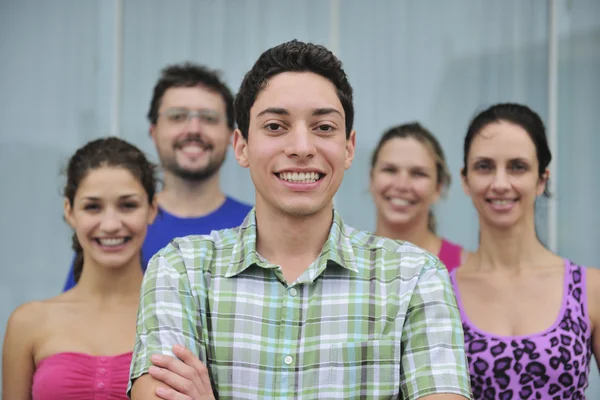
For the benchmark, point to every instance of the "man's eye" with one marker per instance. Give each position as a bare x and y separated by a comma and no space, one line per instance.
211,119
273,126
178,117
325,128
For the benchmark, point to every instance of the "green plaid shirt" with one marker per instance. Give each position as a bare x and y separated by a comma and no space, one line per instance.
371,318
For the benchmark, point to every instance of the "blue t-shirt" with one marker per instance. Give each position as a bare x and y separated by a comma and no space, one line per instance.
167,226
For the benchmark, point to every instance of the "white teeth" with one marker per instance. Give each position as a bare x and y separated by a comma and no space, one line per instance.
399,202
502,202
300,177
111,241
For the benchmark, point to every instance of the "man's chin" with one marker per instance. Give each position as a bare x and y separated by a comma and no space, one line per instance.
197,175
191,172
303,210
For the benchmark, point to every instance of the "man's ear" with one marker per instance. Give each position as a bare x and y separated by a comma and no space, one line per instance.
152,133
350,149
240,148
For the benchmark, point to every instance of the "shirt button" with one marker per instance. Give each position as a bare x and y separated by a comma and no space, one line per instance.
100,385
293,292
102,372
103,359
288,360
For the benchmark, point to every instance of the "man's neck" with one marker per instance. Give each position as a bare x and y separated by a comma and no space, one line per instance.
187,198
292,242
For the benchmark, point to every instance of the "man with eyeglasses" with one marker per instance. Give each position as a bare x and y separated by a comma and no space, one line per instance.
191,123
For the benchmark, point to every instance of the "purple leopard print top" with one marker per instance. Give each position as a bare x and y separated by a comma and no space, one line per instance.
553,364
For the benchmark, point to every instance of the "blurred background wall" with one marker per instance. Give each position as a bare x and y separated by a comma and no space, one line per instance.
74,70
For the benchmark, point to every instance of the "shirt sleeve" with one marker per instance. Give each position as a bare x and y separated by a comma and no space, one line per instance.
167,314
433,357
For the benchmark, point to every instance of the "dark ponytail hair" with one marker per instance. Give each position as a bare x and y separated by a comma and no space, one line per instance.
105,152
78,261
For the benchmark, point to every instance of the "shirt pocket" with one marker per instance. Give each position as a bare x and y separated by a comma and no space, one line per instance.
368,369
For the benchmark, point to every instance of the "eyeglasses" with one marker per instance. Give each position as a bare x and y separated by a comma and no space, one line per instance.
181,116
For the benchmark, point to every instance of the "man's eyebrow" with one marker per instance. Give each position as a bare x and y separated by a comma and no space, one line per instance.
326,111
273,110
283,111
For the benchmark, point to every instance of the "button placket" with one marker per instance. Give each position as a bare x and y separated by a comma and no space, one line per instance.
101,373
289,334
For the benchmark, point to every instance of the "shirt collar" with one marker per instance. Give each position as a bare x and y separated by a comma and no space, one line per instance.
337,249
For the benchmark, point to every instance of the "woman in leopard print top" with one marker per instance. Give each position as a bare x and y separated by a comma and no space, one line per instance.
531,318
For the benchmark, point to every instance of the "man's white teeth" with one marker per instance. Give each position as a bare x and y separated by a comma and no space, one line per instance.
399,202
502,202
111,241
300,177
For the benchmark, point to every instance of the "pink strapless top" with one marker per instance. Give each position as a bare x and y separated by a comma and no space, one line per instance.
78,376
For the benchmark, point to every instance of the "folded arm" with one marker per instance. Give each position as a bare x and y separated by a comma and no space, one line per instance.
167,316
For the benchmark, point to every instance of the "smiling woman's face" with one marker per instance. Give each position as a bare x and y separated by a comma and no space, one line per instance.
502,175
404,181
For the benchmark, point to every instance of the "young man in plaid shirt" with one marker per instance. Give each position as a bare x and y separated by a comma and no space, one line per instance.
294,303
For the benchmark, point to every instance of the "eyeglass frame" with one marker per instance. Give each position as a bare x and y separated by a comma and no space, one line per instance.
204,115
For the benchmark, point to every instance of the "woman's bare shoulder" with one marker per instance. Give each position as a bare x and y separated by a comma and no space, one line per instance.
36,313
593,282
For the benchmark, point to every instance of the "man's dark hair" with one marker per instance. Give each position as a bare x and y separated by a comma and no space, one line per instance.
293,56
189,75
